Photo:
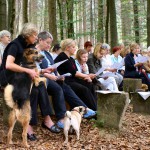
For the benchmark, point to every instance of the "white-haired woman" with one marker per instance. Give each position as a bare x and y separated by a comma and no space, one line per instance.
5,38
12,59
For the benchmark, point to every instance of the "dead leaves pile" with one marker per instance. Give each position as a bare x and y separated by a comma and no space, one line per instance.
134,135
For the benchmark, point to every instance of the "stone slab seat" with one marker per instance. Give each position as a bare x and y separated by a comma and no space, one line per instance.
139,104
131,84
111,109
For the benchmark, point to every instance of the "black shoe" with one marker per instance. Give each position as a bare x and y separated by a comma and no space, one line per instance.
31,137
53,129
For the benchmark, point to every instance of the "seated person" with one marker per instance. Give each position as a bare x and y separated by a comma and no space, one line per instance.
12,58
107,63
94,64
55,86
4,41
88,46
116,58
132,68
80,83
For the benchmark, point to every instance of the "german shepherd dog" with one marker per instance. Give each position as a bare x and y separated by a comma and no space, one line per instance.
17,95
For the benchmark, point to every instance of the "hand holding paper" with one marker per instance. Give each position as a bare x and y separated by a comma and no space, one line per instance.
64,75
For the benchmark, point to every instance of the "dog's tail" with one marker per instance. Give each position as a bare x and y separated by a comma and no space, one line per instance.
8,95
68,114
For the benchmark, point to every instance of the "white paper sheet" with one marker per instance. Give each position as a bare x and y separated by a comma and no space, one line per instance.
64,75
141,59
58,64
100,71
107,92
118,65
108,74
144,95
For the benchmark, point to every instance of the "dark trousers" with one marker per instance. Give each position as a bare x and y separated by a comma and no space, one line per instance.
39,96
61,92
85,91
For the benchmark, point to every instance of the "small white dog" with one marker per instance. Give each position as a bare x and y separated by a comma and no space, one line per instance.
73,119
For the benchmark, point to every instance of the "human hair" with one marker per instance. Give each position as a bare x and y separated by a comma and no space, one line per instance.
105,46
56,47
65,43
87,43
44,35
79,53
133,46
98,48
116,48
4,33
28,29
125,51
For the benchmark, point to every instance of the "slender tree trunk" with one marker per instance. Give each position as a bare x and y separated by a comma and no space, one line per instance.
52,19
70,25
100,29
91,22
59,2
113,23
148,23
107,23
25,11
136,21
84,20
11,16
3,15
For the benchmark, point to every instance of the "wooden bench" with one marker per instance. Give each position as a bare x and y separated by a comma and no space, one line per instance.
111,109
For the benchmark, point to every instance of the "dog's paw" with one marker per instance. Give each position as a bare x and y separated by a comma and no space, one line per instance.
25,145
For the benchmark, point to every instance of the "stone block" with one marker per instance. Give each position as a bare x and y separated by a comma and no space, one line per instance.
131,85
111,109
139,104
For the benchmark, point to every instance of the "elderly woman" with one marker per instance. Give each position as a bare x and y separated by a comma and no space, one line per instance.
4,41
132,68
107,63
94,64
12,59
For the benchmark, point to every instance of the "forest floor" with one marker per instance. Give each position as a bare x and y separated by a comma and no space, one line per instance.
134,135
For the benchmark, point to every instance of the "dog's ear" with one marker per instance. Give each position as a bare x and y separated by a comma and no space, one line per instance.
81,109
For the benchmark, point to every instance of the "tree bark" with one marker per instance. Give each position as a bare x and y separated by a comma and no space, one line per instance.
25,11
113,24
52,19
107,23
148,23
3,15
136,21
100,29
70,25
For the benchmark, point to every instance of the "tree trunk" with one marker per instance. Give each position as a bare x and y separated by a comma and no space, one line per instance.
136,21
113,24
126,22
25,11
70,25
107,23
148,23
3,15
84,20
100,29
59,2
91,22
52,19
11,16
